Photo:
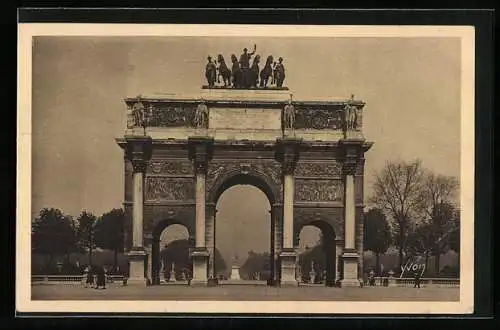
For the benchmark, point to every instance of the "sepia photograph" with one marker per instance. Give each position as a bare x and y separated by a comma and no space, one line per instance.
245,169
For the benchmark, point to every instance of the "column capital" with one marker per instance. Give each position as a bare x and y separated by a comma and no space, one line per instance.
138,151
200,152
287,153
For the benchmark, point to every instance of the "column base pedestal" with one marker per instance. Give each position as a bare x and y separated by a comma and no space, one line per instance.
288,262
200,269
136,256
350,278
350,283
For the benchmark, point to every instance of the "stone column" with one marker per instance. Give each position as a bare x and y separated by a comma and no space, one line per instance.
139,153
210,242
350,254
199,151
149,272
288,155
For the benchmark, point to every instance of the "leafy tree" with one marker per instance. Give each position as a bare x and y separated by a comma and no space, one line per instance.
53,234
421,241
108,233
377,234
454,238
85,232
397,191
437,192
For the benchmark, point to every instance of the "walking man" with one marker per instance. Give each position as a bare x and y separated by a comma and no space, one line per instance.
417,280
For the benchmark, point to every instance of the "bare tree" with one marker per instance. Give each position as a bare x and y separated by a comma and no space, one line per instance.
398,191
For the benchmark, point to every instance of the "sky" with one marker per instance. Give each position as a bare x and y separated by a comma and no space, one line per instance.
411,87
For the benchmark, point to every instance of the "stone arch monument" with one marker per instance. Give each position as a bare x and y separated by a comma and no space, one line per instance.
177,166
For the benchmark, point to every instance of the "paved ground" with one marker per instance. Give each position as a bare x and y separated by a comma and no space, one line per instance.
243,292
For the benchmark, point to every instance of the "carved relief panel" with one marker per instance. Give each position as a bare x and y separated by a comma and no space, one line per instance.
169,189
316,169
319,190
170,167
165,115
318,118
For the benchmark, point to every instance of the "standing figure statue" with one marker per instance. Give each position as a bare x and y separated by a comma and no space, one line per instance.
235,72
138,113
245,66
254,72
201,116
210,72
223,71
289,115
350,114
266,72
279,72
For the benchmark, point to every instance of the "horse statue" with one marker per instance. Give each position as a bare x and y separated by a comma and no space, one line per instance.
210,72
279,72
223,71
254,72
266,72
235,71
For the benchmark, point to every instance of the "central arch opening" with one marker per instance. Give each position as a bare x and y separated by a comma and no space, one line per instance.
243,231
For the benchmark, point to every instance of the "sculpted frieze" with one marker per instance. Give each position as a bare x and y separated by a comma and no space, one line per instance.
170,167
169,189
172,116
310,118
310,169
319,190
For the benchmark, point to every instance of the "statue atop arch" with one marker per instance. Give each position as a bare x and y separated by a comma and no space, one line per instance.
245,73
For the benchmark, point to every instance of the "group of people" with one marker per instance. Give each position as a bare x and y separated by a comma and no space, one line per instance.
95,277
244,75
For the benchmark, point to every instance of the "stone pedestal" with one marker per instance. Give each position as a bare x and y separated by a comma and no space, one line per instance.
200,259
350,276
136,268
235,273
288,261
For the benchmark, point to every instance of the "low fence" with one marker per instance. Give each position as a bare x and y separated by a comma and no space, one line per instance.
379,281
410,282
72,279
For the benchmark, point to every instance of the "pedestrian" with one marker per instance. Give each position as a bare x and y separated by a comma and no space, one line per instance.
417,280
101,278
90,277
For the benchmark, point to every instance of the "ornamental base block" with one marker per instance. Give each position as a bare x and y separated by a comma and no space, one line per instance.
200,267
137,257
288,262
350,276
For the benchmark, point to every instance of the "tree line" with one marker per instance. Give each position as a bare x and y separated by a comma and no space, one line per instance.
413,210
54,233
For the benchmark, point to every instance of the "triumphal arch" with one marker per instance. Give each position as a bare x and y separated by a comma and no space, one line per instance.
183,151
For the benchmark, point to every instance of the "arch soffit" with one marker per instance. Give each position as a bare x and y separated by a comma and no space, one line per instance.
251,177
162,225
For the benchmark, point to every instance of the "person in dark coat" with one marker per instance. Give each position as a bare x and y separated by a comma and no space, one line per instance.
89,271
417,280
101,278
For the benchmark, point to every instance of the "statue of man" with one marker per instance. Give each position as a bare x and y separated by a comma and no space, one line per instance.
350,114
210,72
201,115
289,114
138,112
245,58
279,71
